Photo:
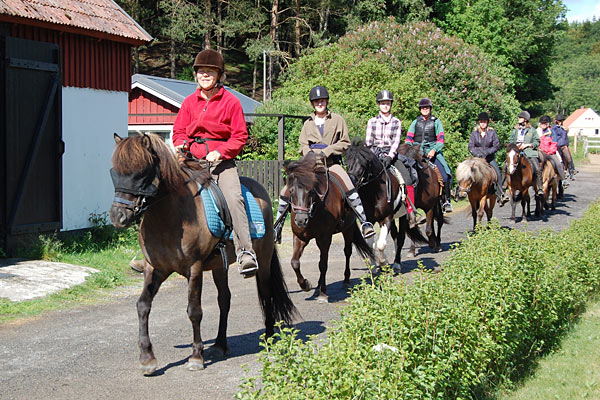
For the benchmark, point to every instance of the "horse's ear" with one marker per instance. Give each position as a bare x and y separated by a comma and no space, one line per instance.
146,141
117,138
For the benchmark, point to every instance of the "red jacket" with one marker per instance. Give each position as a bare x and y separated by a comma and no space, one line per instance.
221,117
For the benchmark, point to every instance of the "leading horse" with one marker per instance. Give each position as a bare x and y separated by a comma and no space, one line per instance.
372,184
519,178
174,237
319,210
475,179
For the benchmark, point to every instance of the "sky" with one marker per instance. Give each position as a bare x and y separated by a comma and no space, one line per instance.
581,10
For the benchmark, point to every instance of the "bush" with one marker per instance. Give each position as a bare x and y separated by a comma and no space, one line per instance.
413,61
504,298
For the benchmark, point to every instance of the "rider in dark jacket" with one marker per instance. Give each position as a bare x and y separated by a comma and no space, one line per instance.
559,135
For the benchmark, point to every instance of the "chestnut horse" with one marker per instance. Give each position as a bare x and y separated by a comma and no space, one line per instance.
372,185
318,211
550,181
475,179
519,178
174,237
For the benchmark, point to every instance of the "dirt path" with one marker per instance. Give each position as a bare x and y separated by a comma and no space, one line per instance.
91,352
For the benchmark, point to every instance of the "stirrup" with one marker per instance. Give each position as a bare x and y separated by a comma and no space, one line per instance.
277,229
370,229
447,207
249,271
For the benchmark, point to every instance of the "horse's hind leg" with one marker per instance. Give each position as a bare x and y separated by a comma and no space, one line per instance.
299,246
224,301
194,310
153,278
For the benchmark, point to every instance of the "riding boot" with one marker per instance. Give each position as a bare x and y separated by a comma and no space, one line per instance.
248,263
572,171
446,205
355,203
282,210
539,182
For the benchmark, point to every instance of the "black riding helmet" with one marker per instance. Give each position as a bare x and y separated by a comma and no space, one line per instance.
525,115
483,116
384,95
425,102
545,119
318,92
560,117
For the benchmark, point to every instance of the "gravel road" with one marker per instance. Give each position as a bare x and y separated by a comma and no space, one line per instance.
90,352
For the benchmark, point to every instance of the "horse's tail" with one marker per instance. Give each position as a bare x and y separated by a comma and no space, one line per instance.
361,244
416,235
279,303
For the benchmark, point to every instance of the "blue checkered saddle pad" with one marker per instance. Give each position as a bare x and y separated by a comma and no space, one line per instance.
215,223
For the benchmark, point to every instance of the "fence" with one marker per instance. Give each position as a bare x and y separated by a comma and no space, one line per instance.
266,172
590,143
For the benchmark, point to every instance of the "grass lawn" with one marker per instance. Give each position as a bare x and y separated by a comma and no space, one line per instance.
573,370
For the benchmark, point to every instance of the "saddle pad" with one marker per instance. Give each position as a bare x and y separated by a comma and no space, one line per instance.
215,223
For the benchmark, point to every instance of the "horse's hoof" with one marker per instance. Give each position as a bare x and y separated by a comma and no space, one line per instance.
215,352
321,299
396,268
149,368
306,286
411,254
195,364
437,249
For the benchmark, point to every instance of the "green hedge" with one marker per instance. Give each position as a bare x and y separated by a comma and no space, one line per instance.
504,297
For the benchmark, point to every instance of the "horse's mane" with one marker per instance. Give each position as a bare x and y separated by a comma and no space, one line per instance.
360,154
304,171
410,151
473,168
137,153
512,146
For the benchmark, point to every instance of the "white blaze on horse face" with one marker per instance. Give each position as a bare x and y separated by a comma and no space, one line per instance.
512,165
382,241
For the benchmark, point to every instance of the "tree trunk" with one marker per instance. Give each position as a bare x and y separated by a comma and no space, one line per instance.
254,73
297,49
172,56
209,24
219,27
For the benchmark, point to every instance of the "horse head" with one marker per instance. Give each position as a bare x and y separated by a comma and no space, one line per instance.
513,158
305,180
143,167
464,177
363,165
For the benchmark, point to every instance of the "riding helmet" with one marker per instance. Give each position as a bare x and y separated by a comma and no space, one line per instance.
525,115
425,102
318,92
384,95
483,116
560,117
545,119
209,58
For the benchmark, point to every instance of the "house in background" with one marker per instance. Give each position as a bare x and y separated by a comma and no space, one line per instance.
65,76
583,122
154,103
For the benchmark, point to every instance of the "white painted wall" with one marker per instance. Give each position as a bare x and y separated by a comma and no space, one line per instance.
588,124
89,119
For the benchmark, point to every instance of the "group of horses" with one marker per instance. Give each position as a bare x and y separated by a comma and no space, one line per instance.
476,180
155,187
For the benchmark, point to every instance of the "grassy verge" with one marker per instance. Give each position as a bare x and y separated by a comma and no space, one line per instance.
103,248
573,370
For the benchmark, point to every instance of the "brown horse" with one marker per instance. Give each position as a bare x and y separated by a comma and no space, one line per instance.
372,185
475,179
319,210
427,197
174,237
550,181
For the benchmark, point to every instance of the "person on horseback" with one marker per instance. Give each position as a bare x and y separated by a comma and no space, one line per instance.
326,134
559,135
210,125
427,132
383,138
527,140
549,148
484,143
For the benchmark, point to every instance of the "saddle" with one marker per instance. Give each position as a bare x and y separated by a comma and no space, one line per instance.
438,174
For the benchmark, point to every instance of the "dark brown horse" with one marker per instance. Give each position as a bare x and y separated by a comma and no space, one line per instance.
475,179
318,212
370,177
174,237
427,197
550,181
519,178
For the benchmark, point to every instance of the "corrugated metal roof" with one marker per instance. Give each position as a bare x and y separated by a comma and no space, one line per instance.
104,16
177,90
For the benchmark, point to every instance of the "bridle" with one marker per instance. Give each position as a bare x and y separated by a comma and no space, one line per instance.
366,177
313,194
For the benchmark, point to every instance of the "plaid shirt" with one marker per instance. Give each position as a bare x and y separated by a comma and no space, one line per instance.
384,134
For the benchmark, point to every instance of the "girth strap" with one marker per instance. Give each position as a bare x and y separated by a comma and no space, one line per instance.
203,141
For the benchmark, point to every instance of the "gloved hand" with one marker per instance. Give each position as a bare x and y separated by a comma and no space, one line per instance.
387,161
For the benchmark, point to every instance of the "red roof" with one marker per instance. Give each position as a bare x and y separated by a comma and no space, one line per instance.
99,18
573,117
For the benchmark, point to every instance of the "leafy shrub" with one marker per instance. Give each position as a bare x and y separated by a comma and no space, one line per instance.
504,298
413,61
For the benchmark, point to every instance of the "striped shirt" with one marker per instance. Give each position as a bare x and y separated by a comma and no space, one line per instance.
382,133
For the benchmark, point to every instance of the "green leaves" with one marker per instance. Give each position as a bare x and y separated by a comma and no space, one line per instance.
504,298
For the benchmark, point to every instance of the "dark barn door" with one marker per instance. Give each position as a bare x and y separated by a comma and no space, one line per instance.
31,163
